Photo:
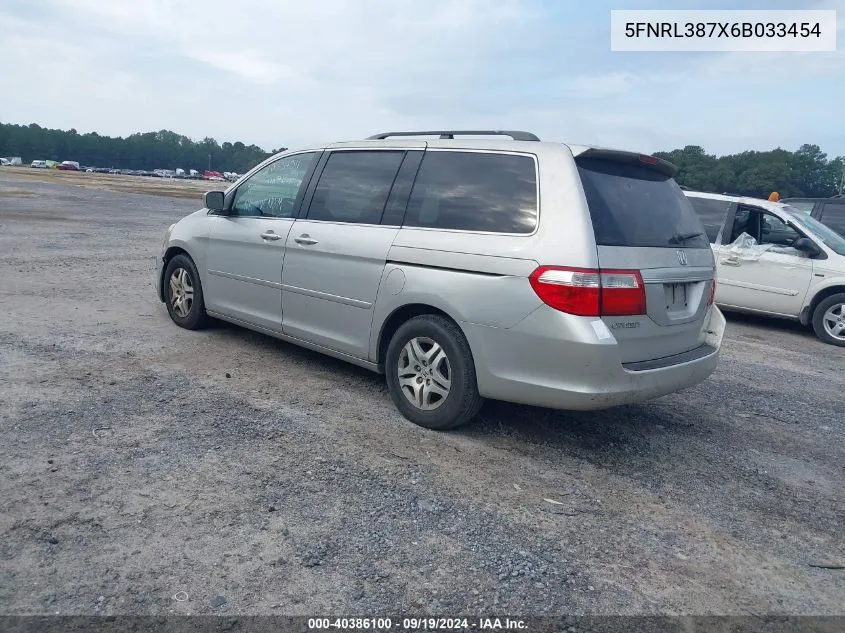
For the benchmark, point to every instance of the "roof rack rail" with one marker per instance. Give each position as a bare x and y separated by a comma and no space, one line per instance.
450,134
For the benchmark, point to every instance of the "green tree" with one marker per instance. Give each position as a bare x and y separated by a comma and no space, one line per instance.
149,150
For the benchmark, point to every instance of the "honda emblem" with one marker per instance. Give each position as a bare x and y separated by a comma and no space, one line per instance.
682,258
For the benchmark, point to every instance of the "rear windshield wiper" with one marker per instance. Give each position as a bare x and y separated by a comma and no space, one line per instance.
680,238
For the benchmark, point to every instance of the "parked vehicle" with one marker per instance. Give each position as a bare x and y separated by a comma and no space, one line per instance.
5,162
69,165
11,161
438,263
776,260
39,164
829,211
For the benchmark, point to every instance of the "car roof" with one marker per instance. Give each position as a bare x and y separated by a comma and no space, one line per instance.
521,142
799,199
757,202
497,140
458,143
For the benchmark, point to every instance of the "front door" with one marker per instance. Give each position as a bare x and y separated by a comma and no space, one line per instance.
336,253
771,277
246,246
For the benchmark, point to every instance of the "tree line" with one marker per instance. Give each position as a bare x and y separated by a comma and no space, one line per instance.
806,172
147,151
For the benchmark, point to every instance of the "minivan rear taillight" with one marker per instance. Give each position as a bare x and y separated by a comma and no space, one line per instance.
712,293
590,291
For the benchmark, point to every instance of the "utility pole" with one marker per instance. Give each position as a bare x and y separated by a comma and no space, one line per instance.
842,180
209,162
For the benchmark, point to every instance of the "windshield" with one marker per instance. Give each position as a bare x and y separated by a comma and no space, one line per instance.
828,236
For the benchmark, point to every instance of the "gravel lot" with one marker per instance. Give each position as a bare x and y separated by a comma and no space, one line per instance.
146,469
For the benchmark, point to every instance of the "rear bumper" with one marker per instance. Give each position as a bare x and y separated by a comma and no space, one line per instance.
555,360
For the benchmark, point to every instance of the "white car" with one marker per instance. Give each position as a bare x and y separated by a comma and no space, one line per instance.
4,162
39,164
775,260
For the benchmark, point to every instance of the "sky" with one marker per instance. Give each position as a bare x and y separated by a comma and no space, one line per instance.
282,73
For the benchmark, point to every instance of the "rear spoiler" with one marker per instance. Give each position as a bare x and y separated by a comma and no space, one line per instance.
619,156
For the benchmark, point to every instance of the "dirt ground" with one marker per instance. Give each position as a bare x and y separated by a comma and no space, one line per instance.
169,187
146,469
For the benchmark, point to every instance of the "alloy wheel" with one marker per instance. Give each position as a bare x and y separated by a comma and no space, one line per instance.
425,374
834,321
181,292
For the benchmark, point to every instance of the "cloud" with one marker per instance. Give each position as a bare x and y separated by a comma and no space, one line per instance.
288,73
247,64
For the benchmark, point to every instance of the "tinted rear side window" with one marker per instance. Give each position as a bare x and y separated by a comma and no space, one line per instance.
633,205
354,186
712,214
833,215
475,191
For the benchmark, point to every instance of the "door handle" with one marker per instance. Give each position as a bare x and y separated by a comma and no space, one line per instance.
305,240
270,235
731,261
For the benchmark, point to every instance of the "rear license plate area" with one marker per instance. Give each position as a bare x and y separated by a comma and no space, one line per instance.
676,296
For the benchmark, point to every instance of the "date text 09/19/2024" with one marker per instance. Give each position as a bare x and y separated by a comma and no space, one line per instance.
415,624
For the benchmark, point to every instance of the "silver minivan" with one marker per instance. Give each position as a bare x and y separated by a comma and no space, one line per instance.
462,268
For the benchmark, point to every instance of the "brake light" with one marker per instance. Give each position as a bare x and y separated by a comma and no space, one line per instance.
712,297
649,160
589,291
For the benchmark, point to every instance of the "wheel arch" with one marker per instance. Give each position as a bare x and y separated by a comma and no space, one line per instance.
172,251
806,316
399,316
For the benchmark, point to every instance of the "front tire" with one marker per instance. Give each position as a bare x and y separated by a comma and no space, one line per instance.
431,374
829,320
183,293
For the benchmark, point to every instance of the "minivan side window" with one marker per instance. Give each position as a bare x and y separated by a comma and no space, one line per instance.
272,191
354,186
833,215
712,213
474,191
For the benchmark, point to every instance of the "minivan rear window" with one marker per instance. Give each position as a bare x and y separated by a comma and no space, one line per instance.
634,205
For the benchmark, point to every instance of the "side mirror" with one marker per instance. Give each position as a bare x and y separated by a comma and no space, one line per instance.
214,200
808,246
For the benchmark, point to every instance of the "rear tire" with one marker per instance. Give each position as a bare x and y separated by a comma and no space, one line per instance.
829,320
183,293
431,374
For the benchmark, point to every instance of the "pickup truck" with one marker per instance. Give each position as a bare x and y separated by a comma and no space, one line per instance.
775,260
